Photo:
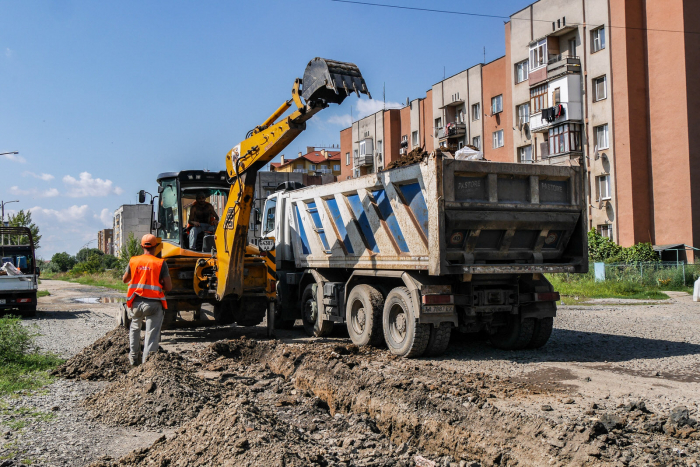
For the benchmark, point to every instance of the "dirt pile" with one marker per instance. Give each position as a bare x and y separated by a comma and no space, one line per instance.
106,359
414,157
329,404
165,391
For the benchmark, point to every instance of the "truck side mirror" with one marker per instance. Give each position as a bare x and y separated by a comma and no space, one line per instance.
258,217
37,271
156,225
142,196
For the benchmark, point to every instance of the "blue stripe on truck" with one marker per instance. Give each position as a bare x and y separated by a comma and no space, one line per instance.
339,223
361,217
414,197
388,214
302,233
313,210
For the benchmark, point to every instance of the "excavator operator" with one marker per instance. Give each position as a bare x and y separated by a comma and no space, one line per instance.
201,213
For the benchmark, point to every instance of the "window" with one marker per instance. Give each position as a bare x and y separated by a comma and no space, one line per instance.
497,104
538,54
312,166
521,71
525,154
564,138
476,142
354,153
597,39
438,123
347,158
600,91
557,96
498,139
476,111
606,230
602,187
414,138
379,150
299,167
600,137
336,167
366,147
538,98
523,114
572,47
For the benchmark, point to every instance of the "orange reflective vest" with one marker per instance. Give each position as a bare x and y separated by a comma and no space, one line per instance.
145,279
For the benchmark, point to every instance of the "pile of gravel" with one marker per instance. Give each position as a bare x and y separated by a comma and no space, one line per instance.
105,359
164,391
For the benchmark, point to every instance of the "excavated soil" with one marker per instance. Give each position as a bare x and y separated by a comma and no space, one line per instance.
416,156
326,404
162,392
106,359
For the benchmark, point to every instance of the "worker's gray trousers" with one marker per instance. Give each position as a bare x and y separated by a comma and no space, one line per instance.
152,312
195,230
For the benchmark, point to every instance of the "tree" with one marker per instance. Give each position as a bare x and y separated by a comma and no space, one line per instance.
131,247
24,219
110,262
84,254
63,261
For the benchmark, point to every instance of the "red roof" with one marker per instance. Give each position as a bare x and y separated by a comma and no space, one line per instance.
315,157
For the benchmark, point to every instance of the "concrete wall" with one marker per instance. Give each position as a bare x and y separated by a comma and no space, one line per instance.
130,218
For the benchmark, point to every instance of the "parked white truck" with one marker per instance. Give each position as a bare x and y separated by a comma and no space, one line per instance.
19,276
406,256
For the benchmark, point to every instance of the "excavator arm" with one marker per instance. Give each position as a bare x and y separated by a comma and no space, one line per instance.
325,82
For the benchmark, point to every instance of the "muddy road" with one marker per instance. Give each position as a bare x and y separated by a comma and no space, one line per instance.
617,384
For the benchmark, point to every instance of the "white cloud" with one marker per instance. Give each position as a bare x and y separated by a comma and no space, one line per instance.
106,216
8,52
14,158
72,214
363,108
41,176
88,186
33,192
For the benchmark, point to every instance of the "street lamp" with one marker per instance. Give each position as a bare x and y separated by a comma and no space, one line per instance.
3,203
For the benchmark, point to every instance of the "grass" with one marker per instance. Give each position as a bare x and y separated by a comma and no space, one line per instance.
43,293
100,279
24,416
583,287
22,366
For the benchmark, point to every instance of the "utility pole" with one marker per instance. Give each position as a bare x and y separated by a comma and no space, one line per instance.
3,203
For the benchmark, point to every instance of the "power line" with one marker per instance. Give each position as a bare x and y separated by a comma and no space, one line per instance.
483,15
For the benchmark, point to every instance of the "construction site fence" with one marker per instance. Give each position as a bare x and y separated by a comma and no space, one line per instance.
659,273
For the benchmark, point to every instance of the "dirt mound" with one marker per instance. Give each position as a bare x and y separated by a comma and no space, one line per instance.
106,359
165,391
414,157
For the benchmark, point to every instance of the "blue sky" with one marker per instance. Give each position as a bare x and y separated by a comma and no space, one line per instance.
100,97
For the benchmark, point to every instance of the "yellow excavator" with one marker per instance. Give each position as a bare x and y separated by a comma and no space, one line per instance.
220,267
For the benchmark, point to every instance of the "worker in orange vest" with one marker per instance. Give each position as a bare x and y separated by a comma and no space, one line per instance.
148,280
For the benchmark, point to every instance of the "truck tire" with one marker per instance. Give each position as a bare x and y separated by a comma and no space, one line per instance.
313,324
516,335
439,340
403,335
363,315
541,333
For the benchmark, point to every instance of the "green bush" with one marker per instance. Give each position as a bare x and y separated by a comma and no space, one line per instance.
109,261
62,262
85,254
91,265
15,340
602,249
131,247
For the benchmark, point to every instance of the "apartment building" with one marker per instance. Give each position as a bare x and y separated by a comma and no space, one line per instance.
104,241
618,100
130,218
314,162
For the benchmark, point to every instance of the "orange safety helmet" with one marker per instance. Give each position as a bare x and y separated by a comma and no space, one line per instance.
149,241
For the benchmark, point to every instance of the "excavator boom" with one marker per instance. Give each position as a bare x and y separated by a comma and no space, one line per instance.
325,82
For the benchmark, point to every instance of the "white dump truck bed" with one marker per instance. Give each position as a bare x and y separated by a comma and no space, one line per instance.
443,215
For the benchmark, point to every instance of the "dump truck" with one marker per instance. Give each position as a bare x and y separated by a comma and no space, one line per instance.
405,257
19,275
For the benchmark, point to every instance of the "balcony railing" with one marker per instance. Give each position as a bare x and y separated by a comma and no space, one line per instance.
323,171
452,130
300,171
563,63
363,160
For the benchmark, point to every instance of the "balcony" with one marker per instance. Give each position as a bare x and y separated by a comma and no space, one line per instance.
556,65
299,171
324,171
363,160
452,130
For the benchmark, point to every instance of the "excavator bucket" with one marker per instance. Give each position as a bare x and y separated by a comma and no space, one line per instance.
332,81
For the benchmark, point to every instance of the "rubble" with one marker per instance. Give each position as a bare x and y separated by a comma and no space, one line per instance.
106,359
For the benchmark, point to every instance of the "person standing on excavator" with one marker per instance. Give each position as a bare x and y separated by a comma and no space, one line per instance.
148,280
201,213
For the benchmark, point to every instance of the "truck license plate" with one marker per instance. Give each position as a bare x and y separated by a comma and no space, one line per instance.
2,301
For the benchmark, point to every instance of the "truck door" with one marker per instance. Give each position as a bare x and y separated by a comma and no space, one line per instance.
269,218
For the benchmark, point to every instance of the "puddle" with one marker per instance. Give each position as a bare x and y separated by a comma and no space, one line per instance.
96,300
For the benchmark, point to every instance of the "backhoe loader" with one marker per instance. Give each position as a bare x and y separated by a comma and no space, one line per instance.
220,267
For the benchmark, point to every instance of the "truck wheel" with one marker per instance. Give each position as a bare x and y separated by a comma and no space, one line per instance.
439,340
363,315
169,318
515,335
313,324
542,331
403,335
